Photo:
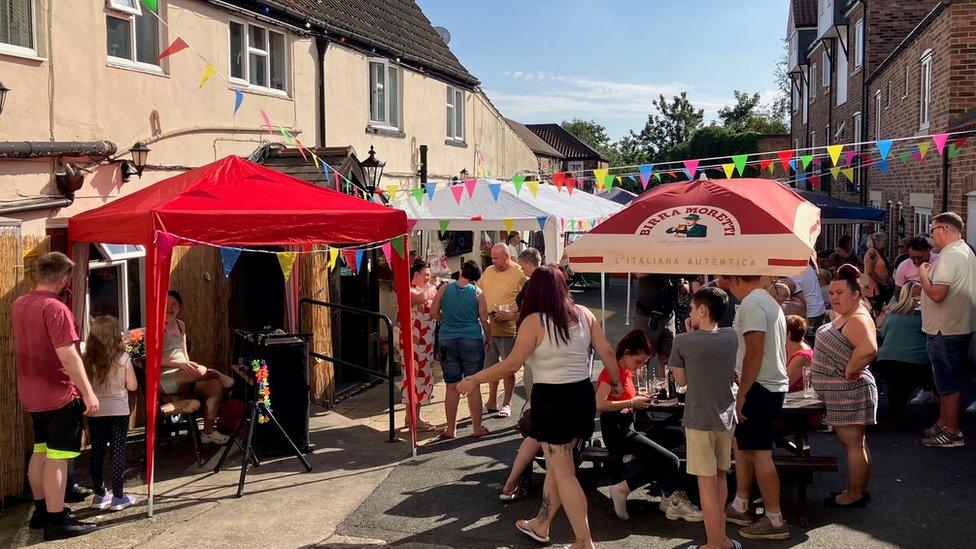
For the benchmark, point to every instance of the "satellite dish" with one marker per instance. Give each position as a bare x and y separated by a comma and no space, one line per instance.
444,34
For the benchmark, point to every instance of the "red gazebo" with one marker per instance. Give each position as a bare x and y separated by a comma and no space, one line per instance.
232,202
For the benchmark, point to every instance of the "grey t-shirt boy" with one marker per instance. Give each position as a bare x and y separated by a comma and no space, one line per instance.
708,359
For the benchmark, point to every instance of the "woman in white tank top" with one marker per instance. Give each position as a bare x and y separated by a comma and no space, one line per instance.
554,338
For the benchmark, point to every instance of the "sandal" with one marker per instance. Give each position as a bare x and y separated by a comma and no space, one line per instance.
445,436
518,493
523,526
424,426
481,432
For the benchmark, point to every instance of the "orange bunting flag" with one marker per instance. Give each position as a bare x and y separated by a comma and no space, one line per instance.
208,72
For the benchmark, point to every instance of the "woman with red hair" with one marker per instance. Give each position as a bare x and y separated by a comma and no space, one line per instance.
554,340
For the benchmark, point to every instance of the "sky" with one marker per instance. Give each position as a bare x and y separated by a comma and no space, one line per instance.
549,61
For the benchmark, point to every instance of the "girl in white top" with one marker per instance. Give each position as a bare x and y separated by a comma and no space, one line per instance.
110,370
554,338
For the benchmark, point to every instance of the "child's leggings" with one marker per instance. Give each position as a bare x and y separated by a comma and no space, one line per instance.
108,430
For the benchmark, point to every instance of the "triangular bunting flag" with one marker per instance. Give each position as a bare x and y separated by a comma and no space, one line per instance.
815,181
349,258
805,160
784,159
657,177
238,100
267,120
835,171
849,174
884,147
430,188
608,181
883,166
470,185
570,185
940,141
923,148
151,4
208,71
849,157
600,174
905,156
287,261
333,257
740,163
953,151
542,222
397,245
391,191
301,150
765,164
228,257
645,173
558,178
177,46
517,181
315,159
729,169
418,195
691,169
792,165
834,152
509,224
801,177
457,191
599,184
572,225
918,157
387,252
495,189
287,136
359,260
443,223
533,187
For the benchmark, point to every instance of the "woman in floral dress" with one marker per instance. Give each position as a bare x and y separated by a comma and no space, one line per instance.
422,329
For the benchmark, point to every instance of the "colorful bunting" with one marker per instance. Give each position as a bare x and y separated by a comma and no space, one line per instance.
849,174
835,171
267,120
457,191
905,156
792,165
600,174
359,260
542,222
509,224
917,155
766,164
517,181
228,257
208,72
923,148
238,100
495,189
884,147
883,166
657,177
165,242
178,45
849,157
387,252
801,177
834,151
609,180
391,191
940,141
333,257
349,258
397,245
691,169
301,150
570,185
729,169
286,260
953,151
151,4
470,185
558,178
785,158
739,161
443,223
815,181
533,187
430,188
418,195
645,173
805,160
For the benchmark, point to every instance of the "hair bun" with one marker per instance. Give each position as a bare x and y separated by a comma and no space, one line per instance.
848,271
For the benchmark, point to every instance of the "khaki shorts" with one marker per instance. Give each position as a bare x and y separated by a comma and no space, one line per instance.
708,452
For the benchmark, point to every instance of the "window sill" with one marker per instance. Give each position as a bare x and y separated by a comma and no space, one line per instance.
386,131
21,54
125,65
258,90
455,143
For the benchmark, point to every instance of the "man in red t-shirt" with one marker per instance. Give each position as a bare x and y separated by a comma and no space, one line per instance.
51,383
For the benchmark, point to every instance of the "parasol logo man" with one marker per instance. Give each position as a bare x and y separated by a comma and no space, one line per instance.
691,228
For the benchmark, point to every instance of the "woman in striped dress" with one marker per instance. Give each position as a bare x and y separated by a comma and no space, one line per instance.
842,351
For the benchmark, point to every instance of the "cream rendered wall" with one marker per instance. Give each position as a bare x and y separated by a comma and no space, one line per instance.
71,93
493,149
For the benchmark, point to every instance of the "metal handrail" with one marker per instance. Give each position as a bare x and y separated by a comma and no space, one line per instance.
389,352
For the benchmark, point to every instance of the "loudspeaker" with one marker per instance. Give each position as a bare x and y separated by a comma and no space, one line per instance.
287,360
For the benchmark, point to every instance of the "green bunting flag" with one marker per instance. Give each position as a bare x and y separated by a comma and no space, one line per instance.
953,150
397,244
151,4
740,163
905,156
517,181
608,181
806,159
657,177
443,223
418,195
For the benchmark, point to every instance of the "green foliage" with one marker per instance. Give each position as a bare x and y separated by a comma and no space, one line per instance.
715,141
591,133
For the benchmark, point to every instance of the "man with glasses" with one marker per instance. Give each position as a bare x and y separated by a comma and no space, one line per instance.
919,252
948,320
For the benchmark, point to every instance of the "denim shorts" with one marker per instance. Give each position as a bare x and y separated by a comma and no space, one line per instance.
947,354
461,358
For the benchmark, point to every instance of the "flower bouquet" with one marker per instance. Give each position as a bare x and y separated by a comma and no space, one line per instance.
135,343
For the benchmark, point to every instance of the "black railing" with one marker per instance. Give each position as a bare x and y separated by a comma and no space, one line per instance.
390,365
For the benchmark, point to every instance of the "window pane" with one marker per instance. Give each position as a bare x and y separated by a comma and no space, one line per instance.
119,35
257,38
103,291
147,38
393,96
459,114
134,289
236,50
277,61
15,23
450,112
377,83
259,70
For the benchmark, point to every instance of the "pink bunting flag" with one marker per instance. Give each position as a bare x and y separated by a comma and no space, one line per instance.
470,185
940,141
849,157
410,224
165,242
178,45
457,191
301,150
691,169
387,252
267,121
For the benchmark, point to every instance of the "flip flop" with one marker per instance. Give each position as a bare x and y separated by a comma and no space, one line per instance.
523,526
480,433
445,436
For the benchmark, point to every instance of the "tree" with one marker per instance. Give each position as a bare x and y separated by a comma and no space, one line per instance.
591,133
780,107
671,126
747,115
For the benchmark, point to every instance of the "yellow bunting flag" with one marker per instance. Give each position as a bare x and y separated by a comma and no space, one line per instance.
600,174
287,261
509,224
834,151
835,171
533,187
333,257
392,191
316,160
208,71
923,148
848,173
729,169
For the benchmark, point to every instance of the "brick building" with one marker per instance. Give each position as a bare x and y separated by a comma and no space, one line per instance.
865,70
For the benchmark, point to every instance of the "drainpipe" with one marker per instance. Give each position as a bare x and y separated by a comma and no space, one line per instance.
41,149
832,55
321,45
423,164
36,204
864,106
945,183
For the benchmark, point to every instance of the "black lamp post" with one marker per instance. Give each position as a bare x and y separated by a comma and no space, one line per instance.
140,153
3,95
464,174
373,169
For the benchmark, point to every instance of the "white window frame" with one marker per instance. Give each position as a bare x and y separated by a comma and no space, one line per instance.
123,283
877,114
825,78
126,13
795,95
575,166
813,139
908,73
386,123
452,109
857,130
805,96
21,50
813,88
923,218
117,5
888,95
925,90
103,249
245,82
859,44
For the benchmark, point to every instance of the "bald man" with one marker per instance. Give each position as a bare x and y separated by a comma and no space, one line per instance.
500,283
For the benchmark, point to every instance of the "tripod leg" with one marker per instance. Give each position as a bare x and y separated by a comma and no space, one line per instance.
223,455
248,452
254,457
281,429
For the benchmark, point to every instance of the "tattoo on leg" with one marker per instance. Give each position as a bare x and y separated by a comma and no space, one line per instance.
544,510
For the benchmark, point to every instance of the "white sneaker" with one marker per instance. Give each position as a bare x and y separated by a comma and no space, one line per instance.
619,504
215,437
505,411
923,397
971,408
679,507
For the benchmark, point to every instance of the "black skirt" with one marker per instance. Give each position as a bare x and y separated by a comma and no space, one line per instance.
562,412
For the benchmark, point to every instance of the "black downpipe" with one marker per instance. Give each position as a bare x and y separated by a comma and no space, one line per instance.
37,204
945,183
321,45
423,164
42,149
832,55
